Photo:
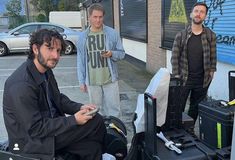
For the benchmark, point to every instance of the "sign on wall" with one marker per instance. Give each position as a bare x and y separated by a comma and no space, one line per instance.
220,19
133,19
175,17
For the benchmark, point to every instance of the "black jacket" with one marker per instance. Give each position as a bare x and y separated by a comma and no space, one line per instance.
31,130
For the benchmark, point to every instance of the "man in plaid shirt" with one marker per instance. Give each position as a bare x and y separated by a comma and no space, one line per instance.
194,59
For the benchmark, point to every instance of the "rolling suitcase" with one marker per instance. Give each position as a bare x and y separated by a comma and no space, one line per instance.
153,148
231,85
174,111
174,116
215,123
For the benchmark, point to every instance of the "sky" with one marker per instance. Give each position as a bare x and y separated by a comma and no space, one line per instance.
3,6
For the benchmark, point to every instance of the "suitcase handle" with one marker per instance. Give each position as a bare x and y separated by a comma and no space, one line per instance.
231,85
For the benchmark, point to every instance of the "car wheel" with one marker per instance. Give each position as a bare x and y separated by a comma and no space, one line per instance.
68,48
3,49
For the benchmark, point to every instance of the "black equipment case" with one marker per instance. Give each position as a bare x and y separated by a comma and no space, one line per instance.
216,123
174,116
224,153
231,85
154,148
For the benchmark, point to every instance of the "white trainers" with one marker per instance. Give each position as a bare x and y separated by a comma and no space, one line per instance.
107,156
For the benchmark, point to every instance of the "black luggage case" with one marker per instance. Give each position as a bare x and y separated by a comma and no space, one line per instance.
192,148
216,123
174,111
154,148
174,116
231,85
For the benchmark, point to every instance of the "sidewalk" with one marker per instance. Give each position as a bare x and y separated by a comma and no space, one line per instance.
133,80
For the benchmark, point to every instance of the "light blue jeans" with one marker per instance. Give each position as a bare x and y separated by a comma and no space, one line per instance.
107,98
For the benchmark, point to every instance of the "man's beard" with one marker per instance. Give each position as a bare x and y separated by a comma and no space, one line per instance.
41,60
197,22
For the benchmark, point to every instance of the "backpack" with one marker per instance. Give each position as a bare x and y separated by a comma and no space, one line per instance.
115,140
184,36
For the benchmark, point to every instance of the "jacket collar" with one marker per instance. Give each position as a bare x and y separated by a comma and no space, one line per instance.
88,28
37,76
189,29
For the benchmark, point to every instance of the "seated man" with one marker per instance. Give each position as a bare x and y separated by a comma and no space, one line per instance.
34,109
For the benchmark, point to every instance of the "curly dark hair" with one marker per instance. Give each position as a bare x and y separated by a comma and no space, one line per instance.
44,36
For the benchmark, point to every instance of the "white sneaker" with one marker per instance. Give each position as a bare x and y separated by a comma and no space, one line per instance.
107,156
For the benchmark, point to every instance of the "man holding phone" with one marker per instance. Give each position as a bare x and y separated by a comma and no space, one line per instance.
99,48
34,109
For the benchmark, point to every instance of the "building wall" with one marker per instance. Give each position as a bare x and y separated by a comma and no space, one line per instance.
156,57
149,52
116,15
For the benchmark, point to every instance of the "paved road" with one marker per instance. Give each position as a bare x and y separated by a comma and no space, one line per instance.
133,80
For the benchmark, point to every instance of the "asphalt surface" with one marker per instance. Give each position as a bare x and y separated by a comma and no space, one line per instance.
133,81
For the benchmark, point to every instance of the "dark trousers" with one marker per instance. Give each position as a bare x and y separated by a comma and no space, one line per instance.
86,141
197,94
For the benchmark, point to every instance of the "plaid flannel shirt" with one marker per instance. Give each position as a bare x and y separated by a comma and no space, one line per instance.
179,60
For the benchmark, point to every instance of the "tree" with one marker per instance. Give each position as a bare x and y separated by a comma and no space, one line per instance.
13,7
45,5
68,5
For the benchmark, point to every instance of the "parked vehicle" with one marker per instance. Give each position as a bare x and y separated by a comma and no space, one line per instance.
17,39
61,17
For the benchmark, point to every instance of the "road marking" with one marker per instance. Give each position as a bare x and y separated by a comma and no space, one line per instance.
64,87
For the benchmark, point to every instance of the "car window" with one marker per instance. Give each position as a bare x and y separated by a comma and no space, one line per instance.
27,29
58,29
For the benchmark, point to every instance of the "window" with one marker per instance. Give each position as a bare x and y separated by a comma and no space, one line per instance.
133,19
175,17
27,29
51,27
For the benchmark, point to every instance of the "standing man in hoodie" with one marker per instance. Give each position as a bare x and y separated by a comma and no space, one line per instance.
99,48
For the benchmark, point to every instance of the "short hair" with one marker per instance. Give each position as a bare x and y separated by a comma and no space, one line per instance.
201,4
96,6
44,36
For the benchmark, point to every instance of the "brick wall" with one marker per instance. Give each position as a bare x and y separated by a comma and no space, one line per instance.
116,15
156,57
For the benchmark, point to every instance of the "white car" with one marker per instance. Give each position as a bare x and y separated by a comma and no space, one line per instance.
17,39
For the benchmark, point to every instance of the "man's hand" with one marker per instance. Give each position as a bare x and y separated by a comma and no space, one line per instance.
80,116
211,75
83,88
107,54
88,107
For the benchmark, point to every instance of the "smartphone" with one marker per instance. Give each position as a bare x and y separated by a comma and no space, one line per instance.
92,112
